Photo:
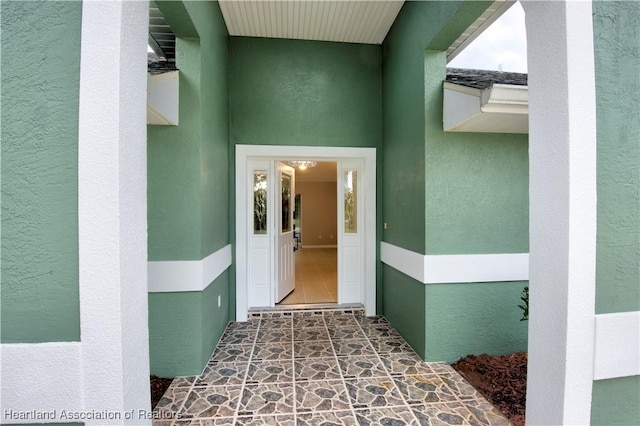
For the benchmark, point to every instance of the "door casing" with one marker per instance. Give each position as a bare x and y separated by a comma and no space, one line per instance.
247,153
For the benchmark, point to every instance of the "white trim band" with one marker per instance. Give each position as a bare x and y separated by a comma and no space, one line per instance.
456,268
188,275
617,345
42,377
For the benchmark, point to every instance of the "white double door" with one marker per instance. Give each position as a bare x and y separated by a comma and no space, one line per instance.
285,194
271,256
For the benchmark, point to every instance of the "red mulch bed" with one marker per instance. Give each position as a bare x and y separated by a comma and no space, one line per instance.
159,386
500,379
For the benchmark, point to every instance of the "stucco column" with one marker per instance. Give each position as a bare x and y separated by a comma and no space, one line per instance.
112,210
562,158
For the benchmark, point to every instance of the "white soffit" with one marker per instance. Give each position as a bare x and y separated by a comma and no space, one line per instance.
483,22
358,21
501,108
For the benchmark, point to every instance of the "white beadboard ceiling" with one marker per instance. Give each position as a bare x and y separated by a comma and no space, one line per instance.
349,21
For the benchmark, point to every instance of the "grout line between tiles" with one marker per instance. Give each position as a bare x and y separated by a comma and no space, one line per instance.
294,403
326,316
344,382
246,373
390,376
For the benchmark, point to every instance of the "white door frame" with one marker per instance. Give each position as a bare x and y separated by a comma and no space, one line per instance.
368,158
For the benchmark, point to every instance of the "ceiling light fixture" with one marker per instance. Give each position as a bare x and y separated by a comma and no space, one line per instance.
302,164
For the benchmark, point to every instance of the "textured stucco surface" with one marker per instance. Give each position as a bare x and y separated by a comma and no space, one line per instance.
615,402
420,25
188,164
173,158
188,191
463,319
445,193
40,83
617,66
185,327
309,93
403,159
404,306
175,333
477,184
617,44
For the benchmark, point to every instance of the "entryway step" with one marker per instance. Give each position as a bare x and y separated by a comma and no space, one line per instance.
306,310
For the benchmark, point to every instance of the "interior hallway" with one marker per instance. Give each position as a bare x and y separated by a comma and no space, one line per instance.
316,277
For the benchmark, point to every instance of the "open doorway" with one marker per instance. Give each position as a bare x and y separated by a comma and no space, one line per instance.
261,258
315,218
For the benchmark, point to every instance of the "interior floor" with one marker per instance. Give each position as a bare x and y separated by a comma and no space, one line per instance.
316,277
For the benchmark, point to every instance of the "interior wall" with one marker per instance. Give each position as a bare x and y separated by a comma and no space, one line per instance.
40,92
188,191
319,213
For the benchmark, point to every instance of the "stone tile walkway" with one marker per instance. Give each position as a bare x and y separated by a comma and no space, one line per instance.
324,367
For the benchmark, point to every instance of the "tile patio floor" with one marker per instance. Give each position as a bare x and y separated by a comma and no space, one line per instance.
331,367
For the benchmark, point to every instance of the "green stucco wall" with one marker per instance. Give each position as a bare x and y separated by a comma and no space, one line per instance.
617,47
308,93
616,402
404,307
477,184
475,319
403,166
185,327
188,191
173,169
406,137
617,66
447,193
188,172
39,90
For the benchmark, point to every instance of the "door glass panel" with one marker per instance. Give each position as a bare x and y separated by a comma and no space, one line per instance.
350,201
286,203
259,202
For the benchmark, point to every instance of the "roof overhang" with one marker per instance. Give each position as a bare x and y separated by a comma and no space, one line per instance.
163,98
501,108
490,15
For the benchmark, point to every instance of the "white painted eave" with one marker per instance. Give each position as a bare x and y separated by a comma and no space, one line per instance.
501,108
163,93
